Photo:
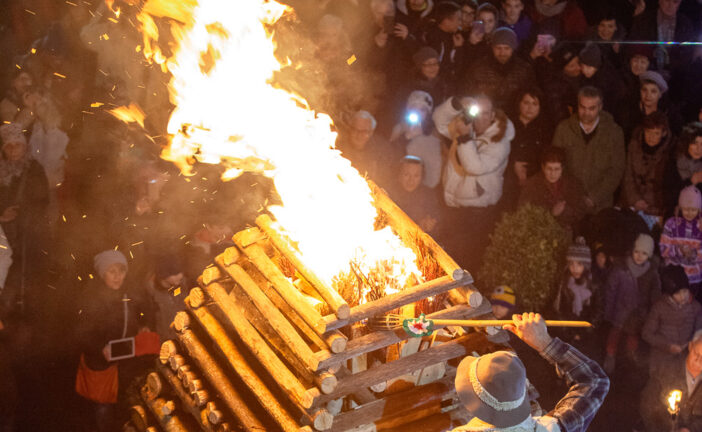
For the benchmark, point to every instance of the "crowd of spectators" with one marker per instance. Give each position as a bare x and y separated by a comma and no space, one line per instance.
462,110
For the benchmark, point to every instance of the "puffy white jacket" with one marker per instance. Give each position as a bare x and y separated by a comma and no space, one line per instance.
483,160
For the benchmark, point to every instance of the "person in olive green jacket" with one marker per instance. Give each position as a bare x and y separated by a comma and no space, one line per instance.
594,147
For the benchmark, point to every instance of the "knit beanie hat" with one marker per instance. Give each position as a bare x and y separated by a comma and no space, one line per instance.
12,133
579,251
424,54
563,54
590,55
105,259
690,197
419,99
656,78
504,36
644,243
673,279
503,296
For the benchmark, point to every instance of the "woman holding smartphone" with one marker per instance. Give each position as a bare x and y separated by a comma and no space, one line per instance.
109,313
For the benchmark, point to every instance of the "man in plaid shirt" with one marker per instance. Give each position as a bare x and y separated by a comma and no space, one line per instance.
493,387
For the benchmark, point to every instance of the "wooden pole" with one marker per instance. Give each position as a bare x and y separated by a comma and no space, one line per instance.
408,230
284,287
273,316
396,404
218,379
240,365
448,350
330,340
500,323
186,400
394,301
253,340
381,339
282,243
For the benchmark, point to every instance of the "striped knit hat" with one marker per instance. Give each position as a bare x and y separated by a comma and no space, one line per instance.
503,296
579,251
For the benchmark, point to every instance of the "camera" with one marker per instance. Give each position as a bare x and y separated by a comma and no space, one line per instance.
413,118
470,113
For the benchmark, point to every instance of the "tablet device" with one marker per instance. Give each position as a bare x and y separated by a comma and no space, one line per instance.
121,349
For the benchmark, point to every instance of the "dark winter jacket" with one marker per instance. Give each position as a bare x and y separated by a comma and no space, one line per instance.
540,192
645,28
561,91
500,82
599,164
628,299
645,171
102,319
529,140
568,25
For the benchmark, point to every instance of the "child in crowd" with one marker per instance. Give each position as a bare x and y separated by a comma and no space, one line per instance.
632,286
682,237
418,201
673,319
503,301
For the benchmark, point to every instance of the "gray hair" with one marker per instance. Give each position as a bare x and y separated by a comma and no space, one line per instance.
363,114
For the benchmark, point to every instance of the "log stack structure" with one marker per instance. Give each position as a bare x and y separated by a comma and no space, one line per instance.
266,347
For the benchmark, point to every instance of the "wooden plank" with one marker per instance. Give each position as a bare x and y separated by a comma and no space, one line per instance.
381,339
454,348
396,300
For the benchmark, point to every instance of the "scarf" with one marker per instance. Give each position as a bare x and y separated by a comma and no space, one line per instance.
550,11
581,294
635,269
11,169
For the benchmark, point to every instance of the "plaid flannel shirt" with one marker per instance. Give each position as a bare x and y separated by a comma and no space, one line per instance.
588,386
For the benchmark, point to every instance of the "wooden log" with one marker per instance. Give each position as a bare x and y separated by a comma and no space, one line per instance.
214,415
394,301
408,231
322,342
218,379
326,381
335,340
284,287
282,243
138,417
186,400
258,347
169,423
397,404
361,396
381,339
168,350
240,365
419,413
176,362
168,408
154,384
448,350
435,423
274,317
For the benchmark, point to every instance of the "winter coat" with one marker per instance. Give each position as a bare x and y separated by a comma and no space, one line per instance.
428,148
630,115
681,244
102,319
563,302
644,27
669,323
628,299
451,57
522,28
538,191
414,20
529,141
599,164
645,171
473,175
567,25
561,91
670,376
500,82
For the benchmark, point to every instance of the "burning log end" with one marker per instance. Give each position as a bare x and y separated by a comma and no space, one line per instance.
197,297
168,350
231,255
153,383
168,408
327,382
211,274
176,362
201,397
181,321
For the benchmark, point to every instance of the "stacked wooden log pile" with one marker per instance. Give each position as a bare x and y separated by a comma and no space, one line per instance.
255,353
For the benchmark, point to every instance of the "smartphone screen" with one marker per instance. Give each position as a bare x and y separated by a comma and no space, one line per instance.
121,349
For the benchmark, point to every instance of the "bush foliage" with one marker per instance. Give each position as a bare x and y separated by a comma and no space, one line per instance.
525,252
